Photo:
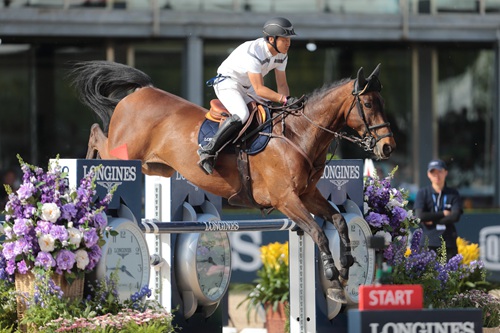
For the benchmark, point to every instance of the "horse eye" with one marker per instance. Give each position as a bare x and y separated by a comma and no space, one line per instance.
368,105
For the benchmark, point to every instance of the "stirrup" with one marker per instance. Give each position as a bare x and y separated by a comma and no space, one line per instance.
207,161
207,166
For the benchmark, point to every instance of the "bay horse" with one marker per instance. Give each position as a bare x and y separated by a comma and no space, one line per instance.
161,130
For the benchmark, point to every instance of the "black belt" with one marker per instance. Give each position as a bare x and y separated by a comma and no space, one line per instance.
215,80
218,79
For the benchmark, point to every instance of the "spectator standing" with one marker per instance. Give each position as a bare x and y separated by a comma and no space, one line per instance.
439,207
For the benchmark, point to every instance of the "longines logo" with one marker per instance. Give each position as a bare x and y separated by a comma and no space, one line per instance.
110,175
424,327
339,175
123,251
489,243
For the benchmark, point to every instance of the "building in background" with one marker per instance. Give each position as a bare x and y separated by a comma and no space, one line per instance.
440,70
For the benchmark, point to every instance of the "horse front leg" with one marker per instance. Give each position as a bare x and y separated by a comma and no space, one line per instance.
97,143
320,207
295,210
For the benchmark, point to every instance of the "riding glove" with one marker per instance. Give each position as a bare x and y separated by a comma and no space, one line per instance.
294,103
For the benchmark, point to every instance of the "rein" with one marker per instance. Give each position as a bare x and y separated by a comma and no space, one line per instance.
368,141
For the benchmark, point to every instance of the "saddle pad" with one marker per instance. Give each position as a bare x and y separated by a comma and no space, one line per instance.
258,143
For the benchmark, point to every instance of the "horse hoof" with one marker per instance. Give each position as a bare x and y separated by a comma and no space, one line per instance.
336,295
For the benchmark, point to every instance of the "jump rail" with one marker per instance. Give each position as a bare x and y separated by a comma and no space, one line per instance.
152,226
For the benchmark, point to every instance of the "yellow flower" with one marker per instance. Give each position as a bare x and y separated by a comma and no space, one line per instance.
274,255
408,252
469,251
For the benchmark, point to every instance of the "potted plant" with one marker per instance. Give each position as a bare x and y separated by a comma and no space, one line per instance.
52,227
272,287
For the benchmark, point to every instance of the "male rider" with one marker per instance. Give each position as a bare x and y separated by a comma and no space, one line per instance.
242,74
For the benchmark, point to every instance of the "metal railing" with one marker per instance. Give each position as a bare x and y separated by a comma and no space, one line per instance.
275,6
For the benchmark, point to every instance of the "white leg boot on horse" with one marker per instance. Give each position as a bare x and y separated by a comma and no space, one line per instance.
208,153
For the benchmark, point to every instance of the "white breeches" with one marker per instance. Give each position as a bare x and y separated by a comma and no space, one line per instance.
234,97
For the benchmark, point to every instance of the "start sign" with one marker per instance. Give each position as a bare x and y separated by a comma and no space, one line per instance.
391,297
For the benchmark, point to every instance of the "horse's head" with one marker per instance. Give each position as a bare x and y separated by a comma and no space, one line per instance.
368,118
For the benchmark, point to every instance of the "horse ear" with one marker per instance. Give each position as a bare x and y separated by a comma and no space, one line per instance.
361,81
375,73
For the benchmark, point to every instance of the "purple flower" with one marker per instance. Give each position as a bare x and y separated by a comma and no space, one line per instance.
43,227
59,232
9,251
100,221
21,226
11,267
69,211
21,246
94,256
25,191
377,220
22,267
65,260
45,260
90,237
399,214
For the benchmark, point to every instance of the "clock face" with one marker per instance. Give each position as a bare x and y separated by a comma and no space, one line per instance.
213,264
363,270
128,254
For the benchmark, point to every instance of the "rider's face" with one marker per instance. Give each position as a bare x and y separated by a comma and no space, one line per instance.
283,44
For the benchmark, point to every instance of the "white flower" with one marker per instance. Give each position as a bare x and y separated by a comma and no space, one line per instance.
70,224
366,207
50,212
394,203
74,236
46,242
82,259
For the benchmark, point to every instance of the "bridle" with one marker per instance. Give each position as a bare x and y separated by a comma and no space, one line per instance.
369,139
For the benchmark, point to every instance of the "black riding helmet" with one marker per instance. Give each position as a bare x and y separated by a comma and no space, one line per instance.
278,27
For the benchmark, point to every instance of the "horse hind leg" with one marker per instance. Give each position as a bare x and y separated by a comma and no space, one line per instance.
97,143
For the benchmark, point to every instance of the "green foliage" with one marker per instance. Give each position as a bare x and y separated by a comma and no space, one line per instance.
48,302
8,306
50,312
272,284
481,300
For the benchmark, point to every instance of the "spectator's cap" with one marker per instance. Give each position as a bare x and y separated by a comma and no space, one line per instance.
436,164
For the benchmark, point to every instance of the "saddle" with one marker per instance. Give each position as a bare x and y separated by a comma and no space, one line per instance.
252,139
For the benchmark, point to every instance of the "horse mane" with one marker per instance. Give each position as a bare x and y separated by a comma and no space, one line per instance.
319,93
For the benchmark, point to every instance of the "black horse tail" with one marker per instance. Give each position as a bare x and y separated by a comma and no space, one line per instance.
102,84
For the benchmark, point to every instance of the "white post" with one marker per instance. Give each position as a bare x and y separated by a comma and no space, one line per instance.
157,206
302,265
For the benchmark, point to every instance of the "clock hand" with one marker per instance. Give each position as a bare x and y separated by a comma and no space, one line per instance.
210,260
357,262
124,270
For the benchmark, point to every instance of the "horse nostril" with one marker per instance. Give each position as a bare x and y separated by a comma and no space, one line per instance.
387,150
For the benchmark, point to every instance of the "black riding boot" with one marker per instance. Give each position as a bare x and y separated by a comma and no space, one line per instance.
208,153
